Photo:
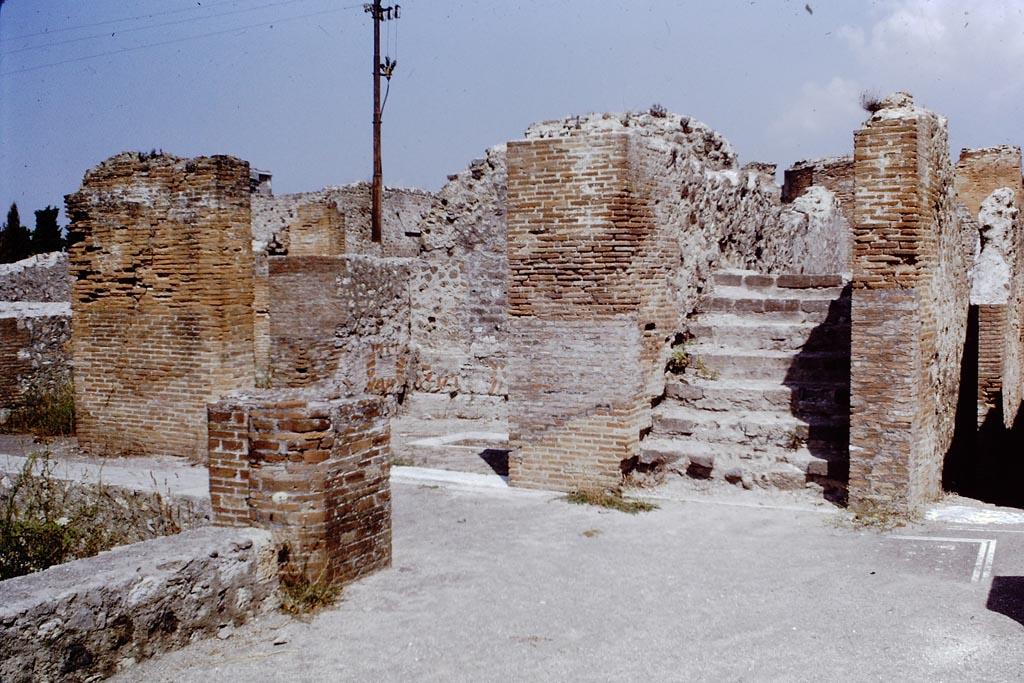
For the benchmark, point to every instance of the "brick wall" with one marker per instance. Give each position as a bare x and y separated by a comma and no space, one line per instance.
836,174
587,304
909,312
162,299
339,319
979,172
315,472
988,183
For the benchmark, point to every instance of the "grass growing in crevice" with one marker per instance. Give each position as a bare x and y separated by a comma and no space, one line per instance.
612,500
46,411
869,514
302,595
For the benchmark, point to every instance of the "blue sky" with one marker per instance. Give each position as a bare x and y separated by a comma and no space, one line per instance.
285,84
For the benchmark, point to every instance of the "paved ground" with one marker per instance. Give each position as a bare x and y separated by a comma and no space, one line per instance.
490,584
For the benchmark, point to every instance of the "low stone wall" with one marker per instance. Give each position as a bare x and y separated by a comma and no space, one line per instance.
34,353
43,277
314,471
90,618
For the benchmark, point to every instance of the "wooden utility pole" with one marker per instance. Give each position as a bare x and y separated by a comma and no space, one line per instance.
378,172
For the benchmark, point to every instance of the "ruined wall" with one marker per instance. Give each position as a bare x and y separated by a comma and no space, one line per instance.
981,171
911,256
835,174
459,294
314,470
988,183
339,319
336,220
34,353
43,277
162,299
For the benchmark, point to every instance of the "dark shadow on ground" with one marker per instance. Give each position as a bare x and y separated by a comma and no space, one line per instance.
983,462
1007,597
819,384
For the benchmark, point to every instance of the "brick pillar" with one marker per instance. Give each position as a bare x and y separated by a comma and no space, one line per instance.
588,309
909,310
315,473
162,300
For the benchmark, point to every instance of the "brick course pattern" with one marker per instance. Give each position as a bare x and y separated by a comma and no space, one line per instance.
911,256
342,320
162,299
834,173
988,182
979,172
588,307
315,472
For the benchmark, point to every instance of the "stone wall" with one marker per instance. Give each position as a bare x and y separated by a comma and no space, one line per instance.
339,319
912,249
459,295
34,339
313,470
162,299
88,619
43,277
336,220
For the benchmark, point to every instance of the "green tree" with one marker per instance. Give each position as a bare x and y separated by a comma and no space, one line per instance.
15,239
46,237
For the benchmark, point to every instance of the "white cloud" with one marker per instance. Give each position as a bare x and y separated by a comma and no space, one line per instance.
820,119
941,40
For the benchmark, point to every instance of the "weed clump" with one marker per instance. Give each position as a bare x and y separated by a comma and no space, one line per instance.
301,594
45,520
612,500
46,412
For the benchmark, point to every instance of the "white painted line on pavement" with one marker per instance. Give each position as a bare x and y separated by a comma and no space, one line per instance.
986,552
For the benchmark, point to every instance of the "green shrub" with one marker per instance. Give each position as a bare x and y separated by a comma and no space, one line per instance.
45,520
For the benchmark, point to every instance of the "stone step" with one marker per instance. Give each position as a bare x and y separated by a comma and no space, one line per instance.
752,332
752,428
835,311
785,367
765,282
701,459
811,399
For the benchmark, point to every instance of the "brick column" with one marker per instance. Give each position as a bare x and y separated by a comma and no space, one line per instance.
589,311
909,310
315,473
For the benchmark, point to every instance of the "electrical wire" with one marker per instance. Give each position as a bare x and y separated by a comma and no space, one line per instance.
117,21
175,40
151,26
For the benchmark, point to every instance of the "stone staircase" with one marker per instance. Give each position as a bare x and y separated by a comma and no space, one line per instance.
764,396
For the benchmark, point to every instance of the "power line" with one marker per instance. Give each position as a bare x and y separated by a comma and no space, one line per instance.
117,21
152,26
176,40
